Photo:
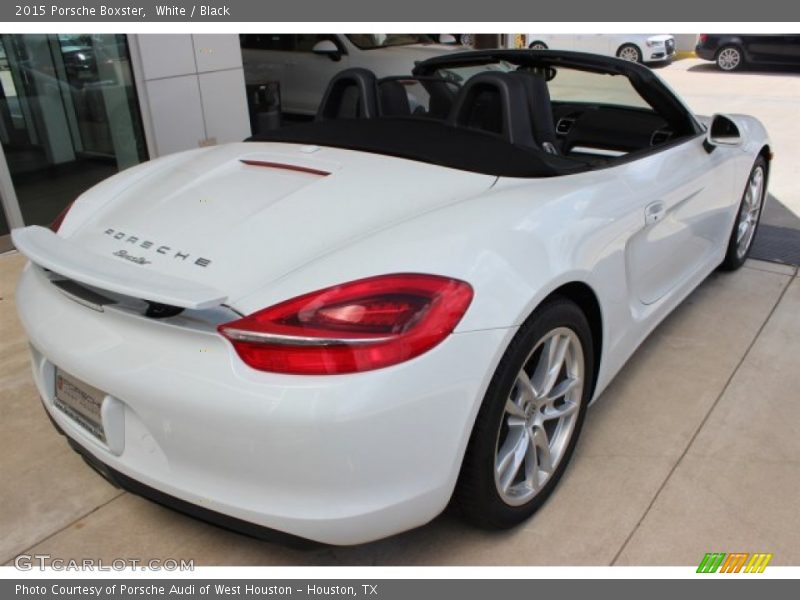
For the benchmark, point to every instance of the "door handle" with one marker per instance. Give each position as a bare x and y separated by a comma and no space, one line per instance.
655,212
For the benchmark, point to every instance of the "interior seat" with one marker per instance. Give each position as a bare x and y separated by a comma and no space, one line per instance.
540,109
496,103
393,99
351,94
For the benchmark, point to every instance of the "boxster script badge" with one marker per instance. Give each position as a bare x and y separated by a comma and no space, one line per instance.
139,260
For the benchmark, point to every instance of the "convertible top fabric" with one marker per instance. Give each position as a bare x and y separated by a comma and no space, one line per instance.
428,141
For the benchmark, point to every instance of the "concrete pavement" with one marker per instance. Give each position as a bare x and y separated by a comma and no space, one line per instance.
770,94
693,447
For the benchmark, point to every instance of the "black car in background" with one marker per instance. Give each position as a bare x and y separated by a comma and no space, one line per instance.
732,51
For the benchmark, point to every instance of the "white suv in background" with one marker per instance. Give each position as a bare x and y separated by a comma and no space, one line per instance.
303,64
637,47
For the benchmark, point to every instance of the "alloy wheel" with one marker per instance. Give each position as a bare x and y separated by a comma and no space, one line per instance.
729,59
750,211
539,417
629,53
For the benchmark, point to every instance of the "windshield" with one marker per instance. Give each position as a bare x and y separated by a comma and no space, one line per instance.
370,41
571,85
565,84
460,75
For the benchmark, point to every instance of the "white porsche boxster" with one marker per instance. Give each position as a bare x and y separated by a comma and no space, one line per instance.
337,328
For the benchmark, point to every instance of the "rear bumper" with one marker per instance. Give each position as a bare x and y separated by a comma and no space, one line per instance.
133,486
705,52
340,459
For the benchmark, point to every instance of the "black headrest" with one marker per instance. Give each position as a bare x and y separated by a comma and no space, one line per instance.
495,102
397,96
351,93
540,109
393,99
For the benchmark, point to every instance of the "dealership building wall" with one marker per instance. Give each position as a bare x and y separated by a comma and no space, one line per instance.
685,42
191,90
78,108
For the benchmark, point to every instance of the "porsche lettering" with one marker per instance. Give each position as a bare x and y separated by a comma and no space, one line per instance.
148,245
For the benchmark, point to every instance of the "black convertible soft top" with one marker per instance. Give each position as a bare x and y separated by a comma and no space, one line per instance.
428,141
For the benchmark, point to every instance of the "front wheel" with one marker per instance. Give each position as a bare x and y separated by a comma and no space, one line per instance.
629,52
468,40
537,46
748,217
530,420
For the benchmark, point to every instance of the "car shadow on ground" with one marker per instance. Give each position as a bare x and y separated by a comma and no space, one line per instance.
776,213
778,235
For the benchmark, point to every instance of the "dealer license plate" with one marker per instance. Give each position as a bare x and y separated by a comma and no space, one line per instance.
81,402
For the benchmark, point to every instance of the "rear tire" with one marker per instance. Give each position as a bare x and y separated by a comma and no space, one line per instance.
523,438
537,45
729,58
747,219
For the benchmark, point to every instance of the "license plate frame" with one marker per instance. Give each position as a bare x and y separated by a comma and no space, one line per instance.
81,402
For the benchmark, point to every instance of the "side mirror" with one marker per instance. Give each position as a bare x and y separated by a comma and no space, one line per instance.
327,48
722,132
446,38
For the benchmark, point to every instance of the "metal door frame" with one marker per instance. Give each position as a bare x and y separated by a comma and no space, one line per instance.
8,202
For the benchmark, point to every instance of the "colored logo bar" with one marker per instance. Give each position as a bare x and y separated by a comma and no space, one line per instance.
736,562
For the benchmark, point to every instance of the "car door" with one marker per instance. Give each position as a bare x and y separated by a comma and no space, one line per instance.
767,48
596,43
308,74
793,48
555,41
781,48
685,195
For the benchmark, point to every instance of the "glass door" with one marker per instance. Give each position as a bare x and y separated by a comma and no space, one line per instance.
69,117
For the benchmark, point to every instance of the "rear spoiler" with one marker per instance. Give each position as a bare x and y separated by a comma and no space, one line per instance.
48,250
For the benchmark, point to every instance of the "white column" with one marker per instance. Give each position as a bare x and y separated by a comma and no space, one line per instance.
191,88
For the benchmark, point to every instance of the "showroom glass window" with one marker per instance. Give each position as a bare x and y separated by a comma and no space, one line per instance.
69,117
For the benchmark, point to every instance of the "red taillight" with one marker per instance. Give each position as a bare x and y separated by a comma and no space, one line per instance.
702,38
357,326
56,224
